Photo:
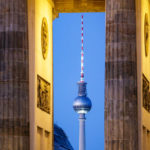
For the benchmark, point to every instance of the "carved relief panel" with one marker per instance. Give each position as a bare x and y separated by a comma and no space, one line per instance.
146,94
44,37
146,33
43,94
146,28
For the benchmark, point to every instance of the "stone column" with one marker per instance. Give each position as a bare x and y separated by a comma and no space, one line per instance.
121,118
14,75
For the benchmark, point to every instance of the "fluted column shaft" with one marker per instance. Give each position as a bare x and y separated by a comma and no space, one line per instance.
121,123
14,75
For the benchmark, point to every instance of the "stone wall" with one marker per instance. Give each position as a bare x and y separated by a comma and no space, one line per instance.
121,118
14,76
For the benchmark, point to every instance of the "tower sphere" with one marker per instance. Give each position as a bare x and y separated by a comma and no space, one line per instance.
82,104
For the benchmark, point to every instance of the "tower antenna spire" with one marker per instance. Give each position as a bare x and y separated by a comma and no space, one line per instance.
82,104
82,51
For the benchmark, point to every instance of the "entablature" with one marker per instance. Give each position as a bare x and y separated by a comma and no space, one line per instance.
76,6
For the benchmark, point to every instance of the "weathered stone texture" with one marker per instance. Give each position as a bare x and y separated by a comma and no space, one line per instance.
14,76
121,124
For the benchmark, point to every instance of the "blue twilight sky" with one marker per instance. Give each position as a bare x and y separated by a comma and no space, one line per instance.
67,47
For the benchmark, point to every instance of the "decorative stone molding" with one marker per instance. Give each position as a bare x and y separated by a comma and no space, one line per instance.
43,94
146,33
55,14
44,37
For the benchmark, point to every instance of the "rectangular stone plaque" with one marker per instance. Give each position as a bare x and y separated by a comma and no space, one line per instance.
146,94
43,94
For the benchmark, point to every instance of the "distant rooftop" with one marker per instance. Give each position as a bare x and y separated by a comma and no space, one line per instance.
61,141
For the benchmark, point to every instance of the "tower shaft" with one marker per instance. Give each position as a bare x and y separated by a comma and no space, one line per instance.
82,131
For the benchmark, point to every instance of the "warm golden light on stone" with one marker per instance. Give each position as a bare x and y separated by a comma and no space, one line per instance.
69,6
27,103
146,34
40,17
44,37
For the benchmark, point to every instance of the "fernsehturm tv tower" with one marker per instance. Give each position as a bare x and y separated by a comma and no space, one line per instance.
82,104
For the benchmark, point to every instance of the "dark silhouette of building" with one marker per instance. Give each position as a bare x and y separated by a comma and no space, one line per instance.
61,141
